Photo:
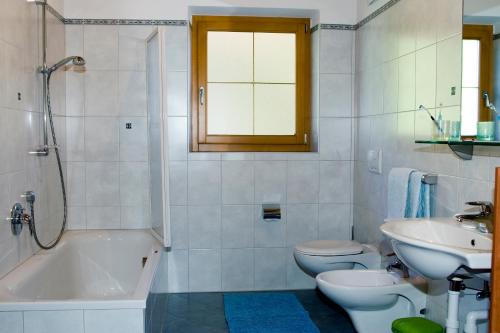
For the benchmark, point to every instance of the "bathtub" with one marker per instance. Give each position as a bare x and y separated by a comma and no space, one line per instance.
93,281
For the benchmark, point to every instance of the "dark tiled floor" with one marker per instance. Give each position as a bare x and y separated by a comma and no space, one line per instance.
204,313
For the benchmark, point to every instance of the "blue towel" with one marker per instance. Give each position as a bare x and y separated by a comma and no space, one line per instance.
419,203
266,313
397,192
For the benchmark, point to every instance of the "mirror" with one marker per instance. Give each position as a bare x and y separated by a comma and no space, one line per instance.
481,70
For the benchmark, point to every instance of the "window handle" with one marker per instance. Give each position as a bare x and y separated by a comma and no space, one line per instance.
202,96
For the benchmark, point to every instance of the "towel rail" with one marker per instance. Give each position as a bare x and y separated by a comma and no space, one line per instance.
429,179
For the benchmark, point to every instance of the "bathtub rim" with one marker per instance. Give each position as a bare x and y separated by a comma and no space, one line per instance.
136,301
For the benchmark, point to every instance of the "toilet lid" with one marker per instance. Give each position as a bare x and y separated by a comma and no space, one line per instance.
330,248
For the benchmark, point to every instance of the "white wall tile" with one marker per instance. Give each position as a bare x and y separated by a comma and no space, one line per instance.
335,182
101,93
177,93
134,141
99,217
176,39
204,227
178,182
75,141
335,139
237,182
204,270
179,227
335,95
333,221
75,93
101,47
77,218
237,226
102,184
204,185
237,269
134,184
270,181
102,135
76,183
336,51
407,83
177,138
391,86
270,268
178,271
303,182
132,94
302,224
132,47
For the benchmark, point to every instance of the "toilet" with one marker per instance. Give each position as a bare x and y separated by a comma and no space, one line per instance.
374,298
319,256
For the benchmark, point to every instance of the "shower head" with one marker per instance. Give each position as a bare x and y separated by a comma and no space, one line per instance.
75,60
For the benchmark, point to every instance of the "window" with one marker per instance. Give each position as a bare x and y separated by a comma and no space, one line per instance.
476,76
250,84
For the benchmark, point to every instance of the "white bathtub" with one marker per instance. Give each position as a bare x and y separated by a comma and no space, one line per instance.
93,281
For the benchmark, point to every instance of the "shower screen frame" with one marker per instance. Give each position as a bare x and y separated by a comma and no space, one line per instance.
157,116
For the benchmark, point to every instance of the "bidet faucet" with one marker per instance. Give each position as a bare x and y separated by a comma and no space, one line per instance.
398,264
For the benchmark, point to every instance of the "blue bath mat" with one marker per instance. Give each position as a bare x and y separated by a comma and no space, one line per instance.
266,313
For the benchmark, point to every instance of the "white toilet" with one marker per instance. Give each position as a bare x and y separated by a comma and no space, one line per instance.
319,256
374,298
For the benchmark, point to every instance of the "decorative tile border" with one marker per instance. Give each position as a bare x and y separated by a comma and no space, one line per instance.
376,13
125,22
324,26
338,26
54,12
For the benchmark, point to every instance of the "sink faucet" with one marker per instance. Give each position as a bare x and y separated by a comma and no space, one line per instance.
398,264
484,217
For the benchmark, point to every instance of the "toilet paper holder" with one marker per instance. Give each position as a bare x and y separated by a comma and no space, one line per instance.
271,212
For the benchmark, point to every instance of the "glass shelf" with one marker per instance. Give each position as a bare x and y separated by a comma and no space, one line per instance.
462,148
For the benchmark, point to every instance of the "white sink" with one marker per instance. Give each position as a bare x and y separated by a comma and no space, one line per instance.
436,248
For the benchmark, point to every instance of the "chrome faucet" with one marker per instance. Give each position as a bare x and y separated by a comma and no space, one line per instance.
484,217
485,213
397,264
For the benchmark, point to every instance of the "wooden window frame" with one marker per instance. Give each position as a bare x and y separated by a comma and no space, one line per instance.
201,141
484,34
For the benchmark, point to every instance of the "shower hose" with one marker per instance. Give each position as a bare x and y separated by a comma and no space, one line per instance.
61,176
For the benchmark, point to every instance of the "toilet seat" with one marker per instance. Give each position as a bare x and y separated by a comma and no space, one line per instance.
330,248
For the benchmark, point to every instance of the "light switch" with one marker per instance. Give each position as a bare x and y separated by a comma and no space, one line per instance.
375,161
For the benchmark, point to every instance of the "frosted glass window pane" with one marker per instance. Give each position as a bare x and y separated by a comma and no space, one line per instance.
470,112
471,63
274,109
230,56
275,57
230,109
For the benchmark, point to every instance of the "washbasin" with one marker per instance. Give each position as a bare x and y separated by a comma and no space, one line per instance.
437,248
